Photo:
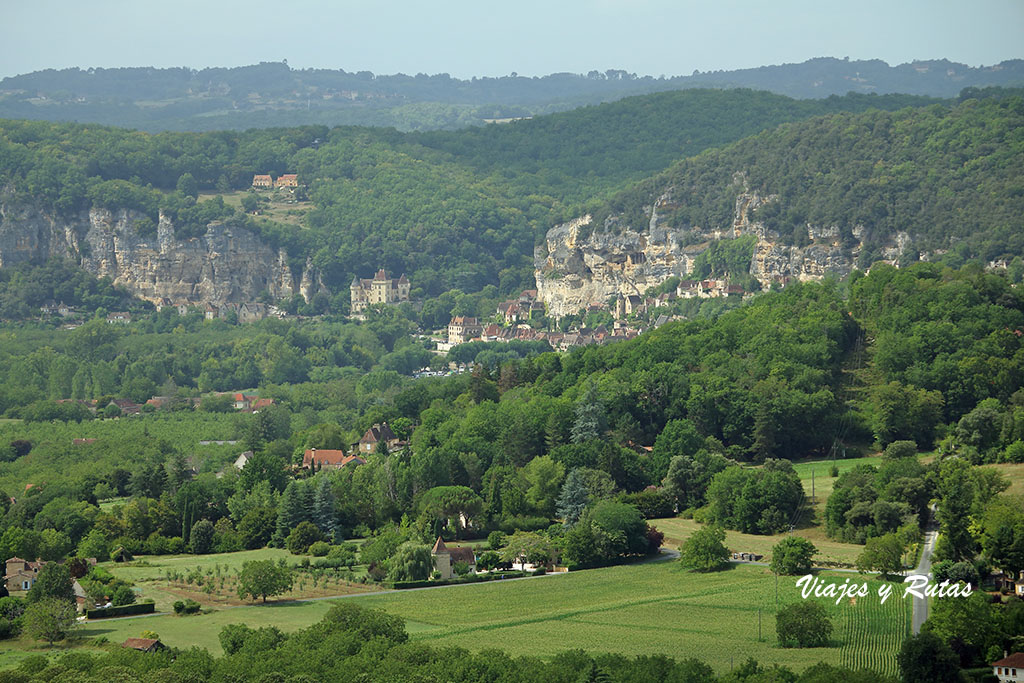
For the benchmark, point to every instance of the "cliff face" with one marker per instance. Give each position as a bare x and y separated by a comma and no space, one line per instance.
581,264
226,264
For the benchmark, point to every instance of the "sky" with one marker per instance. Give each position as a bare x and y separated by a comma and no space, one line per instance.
481,38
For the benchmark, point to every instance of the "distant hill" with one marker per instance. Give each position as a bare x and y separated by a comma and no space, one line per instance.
273,94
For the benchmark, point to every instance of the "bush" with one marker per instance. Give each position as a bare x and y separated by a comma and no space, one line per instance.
123,595
320,549
301,537
792,555
900,449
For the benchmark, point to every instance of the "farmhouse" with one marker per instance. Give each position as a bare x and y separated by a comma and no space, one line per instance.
329,459
262,181
287,180
1009,668
446,558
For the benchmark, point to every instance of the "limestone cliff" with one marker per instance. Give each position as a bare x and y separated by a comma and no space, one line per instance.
580,263
226,264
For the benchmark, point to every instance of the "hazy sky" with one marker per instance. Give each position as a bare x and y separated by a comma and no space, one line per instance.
488,38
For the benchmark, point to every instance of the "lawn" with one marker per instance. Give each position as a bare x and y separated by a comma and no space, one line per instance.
834,553
1015,473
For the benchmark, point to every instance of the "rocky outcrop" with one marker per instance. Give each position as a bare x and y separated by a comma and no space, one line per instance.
580,263
225,265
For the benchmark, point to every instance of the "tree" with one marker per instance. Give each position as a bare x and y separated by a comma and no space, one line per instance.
452,505
263,466
201,537
591,420
882,554
262,579
529,547
792,555
805,623
411,562
573,499
926,658
49,619
54,581
545,477
705,550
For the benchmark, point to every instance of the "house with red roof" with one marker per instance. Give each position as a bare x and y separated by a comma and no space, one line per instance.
316,459
1009,669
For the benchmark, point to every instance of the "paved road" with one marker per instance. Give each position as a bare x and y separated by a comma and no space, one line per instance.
923,567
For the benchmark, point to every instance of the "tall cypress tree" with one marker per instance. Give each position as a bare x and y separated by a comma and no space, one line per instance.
295,507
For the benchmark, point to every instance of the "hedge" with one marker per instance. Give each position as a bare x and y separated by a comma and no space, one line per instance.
141,608
469,578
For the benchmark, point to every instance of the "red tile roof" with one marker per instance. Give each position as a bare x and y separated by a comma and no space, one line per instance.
1015,660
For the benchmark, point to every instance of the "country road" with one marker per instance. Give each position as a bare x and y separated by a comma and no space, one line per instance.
924,567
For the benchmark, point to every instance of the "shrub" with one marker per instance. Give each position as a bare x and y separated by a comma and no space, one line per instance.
320,549
186,607
496,540
301,537
900,449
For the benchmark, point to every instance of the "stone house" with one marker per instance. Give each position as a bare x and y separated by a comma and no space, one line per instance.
287,180
20,575
446,558
375,435
262,181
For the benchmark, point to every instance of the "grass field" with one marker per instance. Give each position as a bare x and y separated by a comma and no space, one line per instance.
677,530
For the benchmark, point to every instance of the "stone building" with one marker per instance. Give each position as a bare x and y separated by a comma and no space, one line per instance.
382,289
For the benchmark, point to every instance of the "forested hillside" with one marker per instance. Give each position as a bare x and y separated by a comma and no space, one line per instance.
273,94
948,176
457,210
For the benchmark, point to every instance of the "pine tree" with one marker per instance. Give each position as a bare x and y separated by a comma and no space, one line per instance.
590,420
573,499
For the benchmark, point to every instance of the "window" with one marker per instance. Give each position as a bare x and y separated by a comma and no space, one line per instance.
25,585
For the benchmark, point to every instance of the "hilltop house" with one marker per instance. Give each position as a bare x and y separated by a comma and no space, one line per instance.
445,558
382,289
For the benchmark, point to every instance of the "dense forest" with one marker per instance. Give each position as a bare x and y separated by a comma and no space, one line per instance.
463,210
273,94
950,177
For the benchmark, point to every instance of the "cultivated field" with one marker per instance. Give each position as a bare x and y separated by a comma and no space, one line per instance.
638,609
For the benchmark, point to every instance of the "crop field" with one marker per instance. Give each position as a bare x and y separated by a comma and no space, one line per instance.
1014,472
833,553
872,633
650,608
211,580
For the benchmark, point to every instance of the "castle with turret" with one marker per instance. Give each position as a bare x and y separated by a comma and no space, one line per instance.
382,289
